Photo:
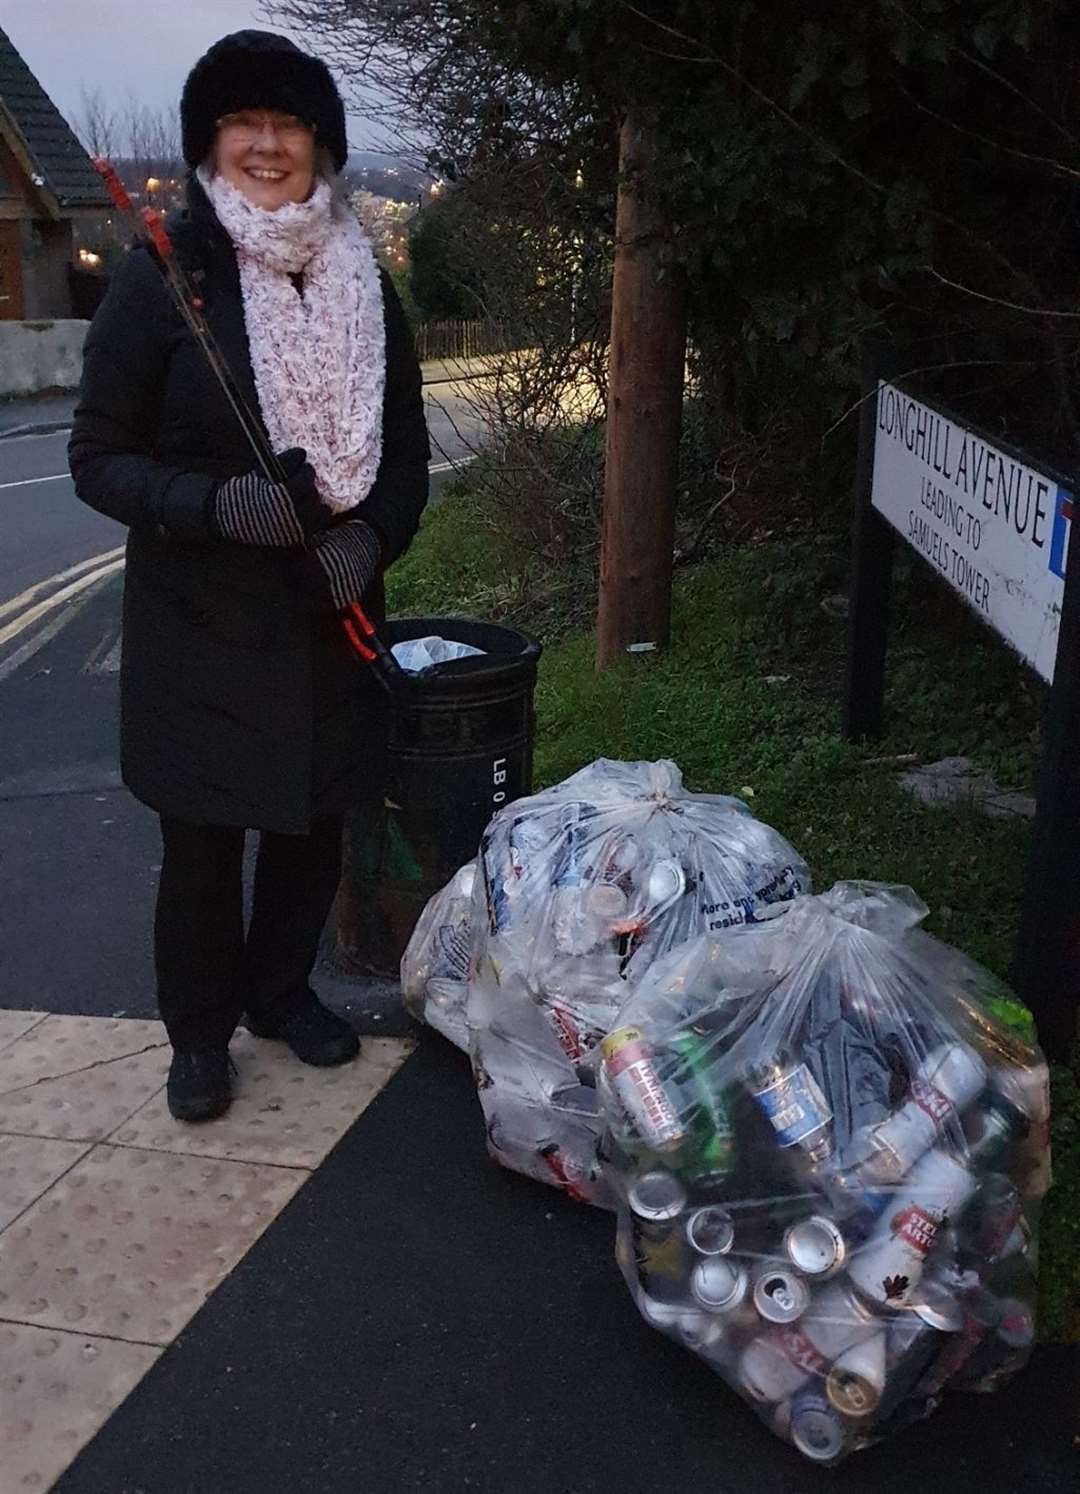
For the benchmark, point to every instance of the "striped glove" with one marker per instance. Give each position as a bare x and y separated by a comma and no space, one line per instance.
343,562
251,510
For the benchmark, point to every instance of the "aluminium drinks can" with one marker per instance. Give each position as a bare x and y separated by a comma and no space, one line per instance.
661,1256
889,1266
719,1285
780,1296
816,1247
793,1101
1004,1350
1029,1089
816,1428
856,1381
689,1064
649,1107
915,1338
710,1230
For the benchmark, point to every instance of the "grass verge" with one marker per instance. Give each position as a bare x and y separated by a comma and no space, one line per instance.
746,701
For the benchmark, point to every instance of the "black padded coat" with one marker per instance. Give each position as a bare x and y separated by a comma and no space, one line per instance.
239,705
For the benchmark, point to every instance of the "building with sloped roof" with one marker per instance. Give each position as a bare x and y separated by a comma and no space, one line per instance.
48,188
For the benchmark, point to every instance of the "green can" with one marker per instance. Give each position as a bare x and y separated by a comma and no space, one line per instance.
707,1156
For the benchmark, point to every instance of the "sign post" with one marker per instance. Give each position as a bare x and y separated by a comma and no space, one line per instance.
997,530
871,575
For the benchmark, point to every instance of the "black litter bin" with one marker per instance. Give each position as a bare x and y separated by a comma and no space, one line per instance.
460,747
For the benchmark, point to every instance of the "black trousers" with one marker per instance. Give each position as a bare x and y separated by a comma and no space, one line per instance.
209,971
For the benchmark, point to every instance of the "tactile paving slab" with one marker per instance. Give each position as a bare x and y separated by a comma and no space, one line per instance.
56,1390
84,1105
14,1024
131,1243
28,1166
284,1112
67,1045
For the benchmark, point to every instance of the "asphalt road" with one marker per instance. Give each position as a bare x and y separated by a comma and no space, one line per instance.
45,528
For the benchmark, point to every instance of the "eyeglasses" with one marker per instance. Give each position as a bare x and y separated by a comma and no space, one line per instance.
247,126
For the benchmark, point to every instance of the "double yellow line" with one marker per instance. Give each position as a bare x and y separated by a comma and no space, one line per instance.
26,609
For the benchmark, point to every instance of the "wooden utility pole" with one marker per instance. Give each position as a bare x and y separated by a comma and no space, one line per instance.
645,390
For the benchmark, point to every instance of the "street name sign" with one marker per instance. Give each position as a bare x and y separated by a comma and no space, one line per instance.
993,527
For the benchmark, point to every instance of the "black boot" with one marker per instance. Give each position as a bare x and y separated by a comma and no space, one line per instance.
199,1086
316,1035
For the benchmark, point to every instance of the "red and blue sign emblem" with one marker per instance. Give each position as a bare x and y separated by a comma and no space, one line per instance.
1059,538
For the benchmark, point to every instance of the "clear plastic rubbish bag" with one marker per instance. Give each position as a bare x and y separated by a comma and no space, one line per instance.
579,889
828,1173
414,654
435,966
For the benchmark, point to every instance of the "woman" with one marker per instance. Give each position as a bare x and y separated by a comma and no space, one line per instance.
242,706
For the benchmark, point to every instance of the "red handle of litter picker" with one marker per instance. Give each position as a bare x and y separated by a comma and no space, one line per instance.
365,641
155,228
113,185
358,645
152,220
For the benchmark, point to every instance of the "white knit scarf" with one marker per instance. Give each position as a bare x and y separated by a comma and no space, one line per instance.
319,358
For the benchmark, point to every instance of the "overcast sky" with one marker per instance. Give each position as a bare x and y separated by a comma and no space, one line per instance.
145,46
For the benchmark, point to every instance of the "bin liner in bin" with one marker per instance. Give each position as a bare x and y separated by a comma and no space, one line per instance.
578,890
828,1173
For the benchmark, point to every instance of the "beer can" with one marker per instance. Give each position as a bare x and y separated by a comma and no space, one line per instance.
816,1429
1030,1089
982,1313
710,1230
661,1258
993,1128
657,1195
994,1225
1002,1351
890,1264
816,1247
689,1060
780,1296
719,1285
945,1083
628,1060
855,1383
792,1099
914,1339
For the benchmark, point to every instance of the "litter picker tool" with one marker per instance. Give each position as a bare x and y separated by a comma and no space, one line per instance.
358,628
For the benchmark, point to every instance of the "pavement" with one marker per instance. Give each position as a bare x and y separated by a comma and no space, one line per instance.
116,1223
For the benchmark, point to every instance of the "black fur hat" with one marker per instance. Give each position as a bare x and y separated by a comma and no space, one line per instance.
259,70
